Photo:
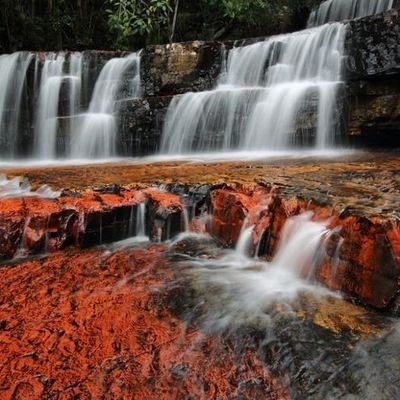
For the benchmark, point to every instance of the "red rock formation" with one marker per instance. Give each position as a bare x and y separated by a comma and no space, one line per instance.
12,221
362,261
231,208
34,225
362,257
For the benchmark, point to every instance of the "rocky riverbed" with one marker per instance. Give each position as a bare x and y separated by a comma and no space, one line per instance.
84,317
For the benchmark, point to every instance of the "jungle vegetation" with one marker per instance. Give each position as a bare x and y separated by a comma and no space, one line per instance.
131,24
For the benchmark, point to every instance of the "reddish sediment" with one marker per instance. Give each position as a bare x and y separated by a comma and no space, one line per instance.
93,324
96,325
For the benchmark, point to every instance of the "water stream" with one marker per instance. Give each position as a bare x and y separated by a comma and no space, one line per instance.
47,112
13,69
339,10
278,94
260,103
42,112
300,330
96,135
20,187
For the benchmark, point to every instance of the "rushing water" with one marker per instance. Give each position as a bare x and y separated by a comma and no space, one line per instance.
303,332
276,94
47,112
75,80
247,286
339,10
52,99
141,221
96,135
13,69
262,96
18,187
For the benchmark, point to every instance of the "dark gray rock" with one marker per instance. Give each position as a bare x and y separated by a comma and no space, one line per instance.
373,46
140,125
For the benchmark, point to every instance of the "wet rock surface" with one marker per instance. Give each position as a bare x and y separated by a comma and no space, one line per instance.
372,68
365,184
147,321
318,344
133,323
104,329
180,67
357,194
372,46
37,225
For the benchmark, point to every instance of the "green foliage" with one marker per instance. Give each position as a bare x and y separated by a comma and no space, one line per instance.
52,25
245,18
131,24
239,9
130,18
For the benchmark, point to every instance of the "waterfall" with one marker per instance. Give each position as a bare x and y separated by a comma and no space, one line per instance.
44,109
248,287
339,10
75,88
47,112
141,220
261,98
96,135
13,68
244,243
301,245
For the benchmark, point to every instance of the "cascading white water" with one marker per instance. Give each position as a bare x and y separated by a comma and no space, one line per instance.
75,88
247,287
59,84
18,187
96,135
141,221
244,243
300,245
54,83
47,112
339,10
13,68
265,88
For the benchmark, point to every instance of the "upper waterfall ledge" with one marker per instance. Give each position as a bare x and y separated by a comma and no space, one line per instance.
369,101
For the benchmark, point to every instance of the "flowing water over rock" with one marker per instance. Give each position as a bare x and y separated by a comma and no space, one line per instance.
339,10
186,305
46,117
13,70
247,286
262,95
96,136
321,346
224,303
50,90
18,187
